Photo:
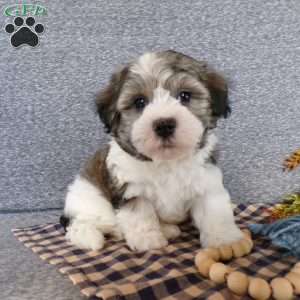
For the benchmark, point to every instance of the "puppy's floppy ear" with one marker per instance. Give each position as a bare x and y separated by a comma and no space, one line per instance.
218,89
106,100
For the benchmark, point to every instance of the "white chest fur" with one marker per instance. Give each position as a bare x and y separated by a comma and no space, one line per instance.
170,186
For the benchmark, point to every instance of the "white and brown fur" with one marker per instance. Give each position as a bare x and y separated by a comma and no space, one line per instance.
142,185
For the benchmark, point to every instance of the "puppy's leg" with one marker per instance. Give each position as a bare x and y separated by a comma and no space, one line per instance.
213,214
140,225
91,215
170,231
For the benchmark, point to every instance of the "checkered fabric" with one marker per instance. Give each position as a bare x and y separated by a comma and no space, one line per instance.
118,273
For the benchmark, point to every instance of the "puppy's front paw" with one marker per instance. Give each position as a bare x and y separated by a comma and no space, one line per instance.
146,241
85,236
218,236
170,231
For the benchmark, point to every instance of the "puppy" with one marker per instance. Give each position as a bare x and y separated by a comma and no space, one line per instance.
158,168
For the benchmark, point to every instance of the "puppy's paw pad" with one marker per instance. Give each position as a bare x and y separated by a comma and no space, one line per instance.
170,231
146,241
85,236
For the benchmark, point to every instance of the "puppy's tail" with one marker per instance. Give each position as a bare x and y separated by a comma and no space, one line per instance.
64,222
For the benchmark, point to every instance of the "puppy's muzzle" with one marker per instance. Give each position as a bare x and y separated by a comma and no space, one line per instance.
164,128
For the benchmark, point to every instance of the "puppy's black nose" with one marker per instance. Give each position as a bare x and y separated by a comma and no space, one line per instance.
164,128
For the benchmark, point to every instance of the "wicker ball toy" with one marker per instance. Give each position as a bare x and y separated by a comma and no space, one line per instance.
209,265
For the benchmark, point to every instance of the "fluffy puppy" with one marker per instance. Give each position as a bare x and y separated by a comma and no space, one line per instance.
158,169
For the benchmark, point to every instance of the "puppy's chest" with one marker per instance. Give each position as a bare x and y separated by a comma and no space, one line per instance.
172,195
171,188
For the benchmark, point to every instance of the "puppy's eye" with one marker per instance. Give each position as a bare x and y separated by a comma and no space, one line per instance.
184,97
140,103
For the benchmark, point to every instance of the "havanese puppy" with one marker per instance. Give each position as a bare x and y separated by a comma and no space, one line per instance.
158,168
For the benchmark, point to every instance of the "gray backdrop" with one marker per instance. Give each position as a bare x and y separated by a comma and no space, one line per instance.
48,126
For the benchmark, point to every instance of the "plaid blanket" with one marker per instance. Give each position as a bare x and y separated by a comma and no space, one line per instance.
167,274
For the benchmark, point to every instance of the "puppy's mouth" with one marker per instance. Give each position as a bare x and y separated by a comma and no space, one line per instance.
169,149
167,144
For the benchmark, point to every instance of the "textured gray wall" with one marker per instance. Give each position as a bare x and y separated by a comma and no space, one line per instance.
47,123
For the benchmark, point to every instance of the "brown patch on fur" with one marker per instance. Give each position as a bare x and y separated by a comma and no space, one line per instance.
135,87
217,87
180,62
96,172
107,100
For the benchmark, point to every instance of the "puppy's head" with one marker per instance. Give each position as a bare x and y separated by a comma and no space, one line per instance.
160,106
